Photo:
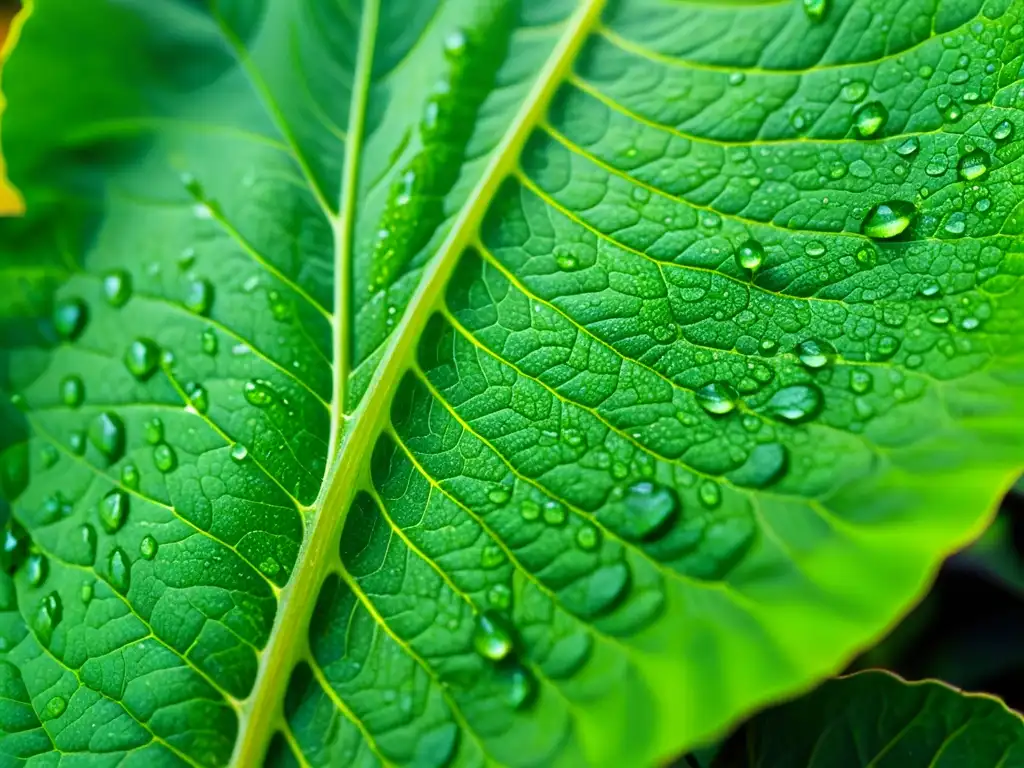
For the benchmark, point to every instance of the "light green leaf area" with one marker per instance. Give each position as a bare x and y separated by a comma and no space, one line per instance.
511,383
876,719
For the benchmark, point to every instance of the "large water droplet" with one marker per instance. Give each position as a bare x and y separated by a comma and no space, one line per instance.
650,510
492,637
72,391
112,511
973,165
142,358
750,255
165,458
117,287
47,616
815,353
259,393
239,452
106,433
815,10
36,569
796,404
69,316
870,118
198,296
148,547
119,570
888,220
718,398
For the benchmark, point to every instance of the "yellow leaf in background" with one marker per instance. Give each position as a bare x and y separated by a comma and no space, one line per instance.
10,203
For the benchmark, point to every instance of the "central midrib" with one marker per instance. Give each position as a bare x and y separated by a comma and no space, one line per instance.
263,710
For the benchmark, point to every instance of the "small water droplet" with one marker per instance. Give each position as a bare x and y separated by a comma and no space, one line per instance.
940,316
47,616
909,148
239,452
130,476
198,397
588,537
259,393
164,458
87,541
651,509
209,342
565,259
119,570
554,513
956,224
718,398
69,316
888,220
55,707
854,91
499,495
117,287
72,391
750,255
198,296
861,381
49,455
269,567
815,353
106,433
113,510
142,358
795,404
970,324
148,547
815,10
870,118
86,592
1003,131
491,556
710,494
520,687
13,546
500,597
530,510
973,165
154,431
492,637
76,442
36,569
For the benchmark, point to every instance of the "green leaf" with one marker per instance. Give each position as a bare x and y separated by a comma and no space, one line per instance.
877,719
452,382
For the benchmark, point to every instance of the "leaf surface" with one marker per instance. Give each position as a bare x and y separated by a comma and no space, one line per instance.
511,383
877,719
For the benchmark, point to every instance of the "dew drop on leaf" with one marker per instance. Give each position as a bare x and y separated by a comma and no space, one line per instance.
1003,131
530,510
861,381
239,452
492,637
588,537
650,510
815,353
854,91
795,404
87,541
500,597
519,686
869,119
499,495
113,510
209,342
258,392
13,546
197,397
76,442
554,513
106,433
164,458
940,316
72,391
766,464
119,570
750,255
55,707
47,617
69,316
718,398
973,165
36,569
909,148
198,296
815,9
86,592
148,547
491,556
142,358
117,287
888,220
269,567
130,476
49,456
710,494
154,431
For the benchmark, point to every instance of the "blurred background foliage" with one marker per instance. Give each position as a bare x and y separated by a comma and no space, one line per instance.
9,203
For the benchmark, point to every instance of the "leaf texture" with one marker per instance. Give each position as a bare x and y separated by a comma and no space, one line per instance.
429,383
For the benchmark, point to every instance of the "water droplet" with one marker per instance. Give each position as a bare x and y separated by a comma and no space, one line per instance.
519,686
750,255
814,249
130,476
815,9
710,494
49,455
554,513
909,148
36,569
491,556
72,391
76,442
55,707
970,324
142,358
197,396
269,567
164,458
148,547
795,404
870,118
259,393
854,91
117,287
209,342
47,617
588,537
766,464
87,592
651,509
113,510
737,78
718,398
940,316
888,220
530,510
239,452
953,112
69,316
973,165
106,433
492,637
815,353
198,296
861,381
956,224
566,259
87,540
154,431
499,596
1003,131
499,495
119,570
